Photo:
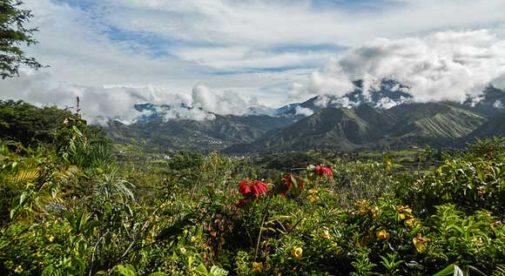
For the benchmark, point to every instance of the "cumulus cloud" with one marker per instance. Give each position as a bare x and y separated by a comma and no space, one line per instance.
271,23
441,66
226,102
303,111
102,103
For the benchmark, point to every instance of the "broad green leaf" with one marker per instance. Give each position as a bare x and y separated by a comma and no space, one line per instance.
202,270
217,271
126,270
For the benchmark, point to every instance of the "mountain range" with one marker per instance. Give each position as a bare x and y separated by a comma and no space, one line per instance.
382,117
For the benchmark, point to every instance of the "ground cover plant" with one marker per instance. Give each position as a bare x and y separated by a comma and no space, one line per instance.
75,204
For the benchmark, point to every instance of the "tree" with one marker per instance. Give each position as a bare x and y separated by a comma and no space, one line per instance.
13,35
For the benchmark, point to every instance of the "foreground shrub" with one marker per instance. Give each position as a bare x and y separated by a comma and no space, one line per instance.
68,209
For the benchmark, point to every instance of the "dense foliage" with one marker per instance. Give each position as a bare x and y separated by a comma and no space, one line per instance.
13,35
28,124
73,207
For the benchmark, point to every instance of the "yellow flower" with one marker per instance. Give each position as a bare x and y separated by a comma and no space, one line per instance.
382,235
257,267
312,191
411,222
375,212
183,250
312,198
50,238
404,211
363,206
326,235
297,252
420,243
19,269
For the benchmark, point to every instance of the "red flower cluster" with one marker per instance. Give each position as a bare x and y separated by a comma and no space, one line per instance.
251,190
320,170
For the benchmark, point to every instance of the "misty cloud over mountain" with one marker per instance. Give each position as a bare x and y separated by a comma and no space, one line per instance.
437,67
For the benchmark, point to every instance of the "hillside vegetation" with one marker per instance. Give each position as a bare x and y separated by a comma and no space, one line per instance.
76,204
384,118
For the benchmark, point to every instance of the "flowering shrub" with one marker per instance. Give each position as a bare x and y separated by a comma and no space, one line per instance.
180,217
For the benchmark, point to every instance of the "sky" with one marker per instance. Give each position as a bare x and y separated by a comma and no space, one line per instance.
228,55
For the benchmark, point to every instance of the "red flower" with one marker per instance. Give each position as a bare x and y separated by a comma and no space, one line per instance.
259,188
251,190
244,188
320,170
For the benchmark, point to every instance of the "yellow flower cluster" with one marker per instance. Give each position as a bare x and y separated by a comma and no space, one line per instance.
420,243
364,207
312,197
405,214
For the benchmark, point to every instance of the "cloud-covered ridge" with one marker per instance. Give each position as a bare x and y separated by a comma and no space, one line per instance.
102,103
444,66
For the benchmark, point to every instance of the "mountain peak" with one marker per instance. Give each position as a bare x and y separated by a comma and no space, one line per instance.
382,94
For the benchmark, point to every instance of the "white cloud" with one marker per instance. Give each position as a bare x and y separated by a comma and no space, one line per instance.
303,111
226,102
100,103
440,66
266,23
240,58
218,41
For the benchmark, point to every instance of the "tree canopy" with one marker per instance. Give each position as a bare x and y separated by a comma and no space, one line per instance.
14,34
